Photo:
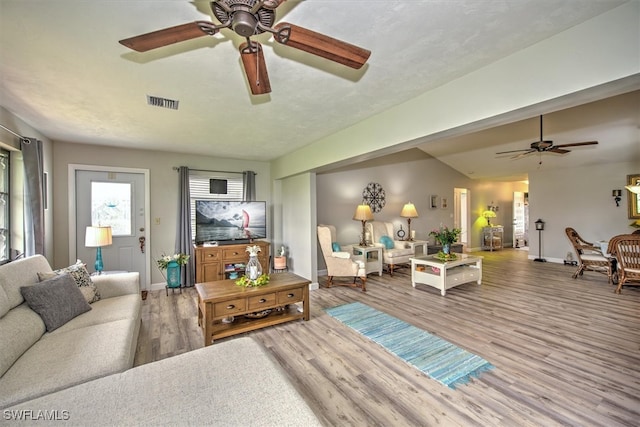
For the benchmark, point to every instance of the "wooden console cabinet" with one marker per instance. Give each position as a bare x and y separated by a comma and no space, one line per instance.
218,262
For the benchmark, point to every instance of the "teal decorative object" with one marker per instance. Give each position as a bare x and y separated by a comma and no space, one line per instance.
173,274
335,247
387,242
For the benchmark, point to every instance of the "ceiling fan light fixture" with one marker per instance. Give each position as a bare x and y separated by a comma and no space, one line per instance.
244,23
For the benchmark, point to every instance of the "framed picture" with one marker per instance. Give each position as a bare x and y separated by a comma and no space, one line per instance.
433,202
634,199
443,203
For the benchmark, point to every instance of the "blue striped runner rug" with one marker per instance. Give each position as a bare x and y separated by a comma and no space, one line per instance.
439,359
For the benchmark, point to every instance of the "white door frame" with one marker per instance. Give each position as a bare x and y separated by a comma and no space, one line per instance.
73,168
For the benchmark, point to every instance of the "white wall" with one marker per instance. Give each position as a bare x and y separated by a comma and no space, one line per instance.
579,198
299,195
164,189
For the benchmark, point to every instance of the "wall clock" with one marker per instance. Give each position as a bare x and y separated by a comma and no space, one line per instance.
373,195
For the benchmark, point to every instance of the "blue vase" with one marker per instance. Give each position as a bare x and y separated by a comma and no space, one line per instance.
173,274
446,248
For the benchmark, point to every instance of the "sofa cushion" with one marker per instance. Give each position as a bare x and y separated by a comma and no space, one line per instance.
126,307
80,275
19,329
5,306
202,387
56,300
19,273
59,361
387,242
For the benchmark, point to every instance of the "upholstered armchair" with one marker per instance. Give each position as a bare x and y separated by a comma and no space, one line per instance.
338,260
394,252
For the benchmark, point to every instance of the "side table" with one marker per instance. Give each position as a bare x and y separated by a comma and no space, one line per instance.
372,257
419,246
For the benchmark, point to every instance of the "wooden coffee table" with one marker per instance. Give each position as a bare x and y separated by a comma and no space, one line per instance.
223,299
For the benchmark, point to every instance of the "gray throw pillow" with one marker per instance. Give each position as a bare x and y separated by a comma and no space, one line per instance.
56,300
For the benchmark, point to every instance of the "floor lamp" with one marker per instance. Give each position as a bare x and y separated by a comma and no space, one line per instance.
540,226
97,237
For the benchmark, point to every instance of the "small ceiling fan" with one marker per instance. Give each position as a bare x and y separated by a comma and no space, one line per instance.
248,18
546,146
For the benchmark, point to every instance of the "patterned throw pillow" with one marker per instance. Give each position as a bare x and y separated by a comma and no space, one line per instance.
82,278
387,242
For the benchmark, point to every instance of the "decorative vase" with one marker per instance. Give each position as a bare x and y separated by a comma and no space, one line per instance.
446,248
253,269
280,263
173,274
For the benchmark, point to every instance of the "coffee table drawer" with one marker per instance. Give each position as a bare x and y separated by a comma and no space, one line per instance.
229,308
262,301
290,296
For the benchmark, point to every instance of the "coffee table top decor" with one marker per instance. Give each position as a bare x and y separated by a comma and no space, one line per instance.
244,281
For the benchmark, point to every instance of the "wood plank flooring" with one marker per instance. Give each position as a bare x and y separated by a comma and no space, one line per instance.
566,352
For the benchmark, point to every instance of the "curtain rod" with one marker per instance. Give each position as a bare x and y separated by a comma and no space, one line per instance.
176,168
22,138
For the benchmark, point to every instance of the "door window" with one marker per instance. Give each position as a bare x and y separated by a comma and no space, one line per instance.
111,205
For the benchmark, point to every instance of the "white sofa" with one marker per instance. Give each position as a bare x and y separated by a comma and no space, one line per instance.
79,374
99,342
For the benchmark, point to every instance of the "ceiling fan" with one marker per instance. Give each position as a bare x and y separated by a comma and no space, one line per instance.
546,146
248,18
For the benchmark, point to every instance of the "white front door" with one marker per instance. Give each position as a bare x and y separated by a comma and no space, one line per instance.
117,199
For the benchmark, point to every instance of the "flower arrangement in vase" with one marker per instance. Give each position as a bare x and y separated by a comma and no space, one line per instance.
445,236
172,264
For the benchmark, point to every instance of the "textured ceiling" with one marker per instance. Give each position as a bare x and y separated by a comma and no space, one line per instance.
64,72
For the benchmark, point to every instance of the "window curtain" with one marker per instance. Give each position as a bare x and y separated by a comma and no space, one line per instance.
184,244
34,196
249,184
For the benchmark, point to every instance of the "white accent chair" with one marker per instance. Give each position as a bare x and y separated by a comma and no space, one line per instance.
339,263
399,254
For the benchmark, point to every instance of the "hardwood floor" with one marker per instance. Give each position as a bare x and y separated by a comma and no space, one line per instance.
565,351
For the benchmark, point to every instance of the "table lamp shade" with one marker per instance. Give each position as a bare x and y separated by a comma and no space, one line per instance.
409,211
98,236
363,213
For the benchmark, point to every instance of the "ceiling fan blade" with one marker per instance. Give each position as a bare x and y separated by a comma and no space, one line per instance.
519,156
512,151
577,144
255,68
167,36
558,150
319,44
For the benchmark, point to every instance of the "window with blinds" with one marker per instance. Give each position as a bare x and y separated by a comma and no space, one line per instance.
200,185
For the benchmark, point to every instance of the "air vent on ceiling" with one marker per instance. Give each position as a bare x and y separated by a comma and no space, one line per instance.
162,102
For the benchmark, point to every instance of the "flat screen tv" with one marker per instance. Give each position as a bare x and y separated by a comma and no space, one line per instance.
225,221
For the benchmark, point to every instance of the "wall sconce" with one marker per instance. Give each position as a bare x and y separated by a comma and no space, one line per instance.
617,196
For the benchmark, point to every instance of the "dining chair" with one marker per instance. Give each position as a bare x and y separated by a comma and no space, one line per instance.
627,252
590,257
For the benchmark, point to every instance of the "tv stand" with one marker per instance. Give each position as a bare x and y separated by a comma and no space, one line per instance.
233,242
218,262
